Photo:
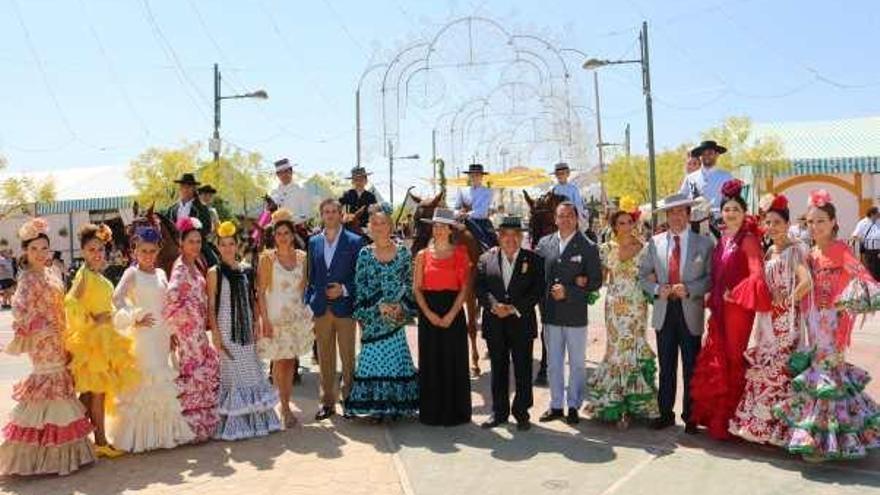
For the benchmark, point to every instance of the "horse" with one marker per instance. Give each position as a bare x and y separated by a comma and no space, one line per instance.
542,222
421,238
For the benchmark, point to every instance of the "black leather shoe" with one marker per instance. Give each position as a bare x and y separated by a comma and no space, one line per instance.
324,412
572,417
493,423
524,425
691,428
662,423
551,415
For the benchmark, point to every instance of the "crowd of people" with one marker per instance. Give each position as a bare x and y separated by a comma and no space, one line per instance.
166,359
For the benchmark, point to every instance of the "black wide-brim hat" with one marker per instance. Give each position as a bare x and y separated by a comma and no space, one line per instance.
476,168
512,222
359,172
561,167
708,145
207,189
188,179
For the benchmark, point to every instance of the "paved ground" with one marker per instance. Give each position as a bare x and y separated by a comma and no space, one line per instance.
350,457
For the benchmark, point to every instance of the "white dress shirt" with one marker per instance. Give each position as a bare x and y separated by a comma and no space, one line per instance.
294,198
507,267
706,182
183,209
563,243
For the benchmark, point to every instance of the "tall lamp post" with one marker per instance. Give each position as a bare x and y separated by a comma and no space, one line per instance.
643,61
391,159
215,142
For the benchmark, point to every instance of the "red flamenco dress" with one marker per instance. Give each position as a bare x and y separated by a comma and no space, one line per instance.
719,377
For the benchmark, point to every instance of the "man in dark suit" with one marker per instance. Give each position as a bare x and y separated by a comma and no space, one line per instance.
356,200
571,270
189,205
332,258
510,282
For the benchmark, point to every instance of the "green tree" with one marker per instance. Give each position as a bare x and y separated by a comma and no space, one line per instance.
629,176
743,148
238,177
17,193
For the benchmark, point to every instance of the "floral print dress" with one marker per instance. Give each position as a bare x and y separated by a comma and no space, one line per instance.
768,380
198,380
623,384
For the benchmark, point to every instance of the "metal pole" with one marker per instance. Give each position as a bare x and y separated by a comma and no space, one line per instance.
434,160
649,110
216,113
357,123
626,140
600,145
391,172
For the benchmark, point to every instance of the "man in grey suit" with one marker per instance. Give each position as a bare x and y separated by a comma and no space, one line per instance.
571,270
675,270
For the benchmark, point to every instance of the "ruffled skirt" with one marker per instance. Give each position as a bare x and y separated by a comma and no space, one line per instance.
830,415
101,359
198,384
248,411
48,432
623,384
386,382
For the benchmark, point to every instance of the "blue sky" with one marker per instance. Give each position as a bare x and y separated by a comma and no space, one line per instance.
94,82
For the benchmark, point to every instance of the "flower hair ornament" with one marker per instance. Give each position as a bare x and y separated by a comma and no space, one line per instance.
819,198
732,188
148,234
186,224
773,202
281,215
104,234
33,228
629,205
226,229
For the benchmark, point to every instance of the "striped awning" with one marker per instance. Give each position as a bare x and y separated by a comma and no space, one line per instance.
84,205
841,165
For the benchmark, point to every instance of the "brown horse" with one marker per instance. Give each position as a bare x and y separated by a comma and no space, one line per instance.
542,215
421,238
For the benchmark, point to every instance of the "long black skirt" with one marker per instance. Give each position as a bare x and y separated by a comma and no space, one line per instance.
444,383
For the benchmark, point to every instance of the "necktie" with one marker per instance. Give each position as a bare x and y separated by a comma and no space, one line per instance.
675,262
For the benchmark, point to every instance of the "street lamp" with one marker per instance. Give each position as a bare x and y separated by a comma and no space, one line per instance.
595,63
215,142
391,159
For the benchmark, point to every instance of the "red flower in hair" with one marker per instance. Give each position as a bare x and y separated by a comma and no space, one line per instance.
185,224
780,202
732,188
819,197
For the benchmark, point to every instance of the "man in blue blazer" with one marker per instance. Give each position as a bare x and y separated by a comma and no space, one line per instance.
330,293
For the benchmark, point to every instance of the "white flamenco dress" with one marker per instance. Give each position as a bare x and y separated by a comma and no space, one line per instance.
149,416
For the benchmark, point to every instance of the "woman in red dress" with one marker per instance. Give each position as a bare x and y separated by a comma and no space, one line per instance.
738,291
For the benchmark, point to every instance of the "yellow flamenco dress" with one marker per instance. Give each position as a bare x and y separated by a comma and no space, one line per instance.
102,360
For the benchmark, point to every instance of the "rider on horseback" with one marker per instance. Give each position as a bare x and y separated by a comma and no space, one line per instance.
289,194
357,200
189,205
706,181
572,193
472,207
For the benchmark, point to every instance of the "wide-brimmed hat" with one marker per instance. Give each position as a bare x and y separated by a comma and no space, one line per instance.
561,167
442,215
207,189
358,172
283,164
675,200
708,145
511,222
188,179
476,168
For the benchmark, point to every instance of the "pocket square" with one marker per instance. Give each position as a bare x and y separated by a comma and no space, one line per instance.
525,268
576,259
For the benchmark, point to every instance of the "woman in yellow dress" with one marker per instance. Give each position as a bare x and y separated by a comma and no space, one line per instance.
101,361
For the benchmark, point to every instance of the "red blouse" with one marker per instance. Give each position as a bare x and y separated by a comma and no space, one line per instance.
446,274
